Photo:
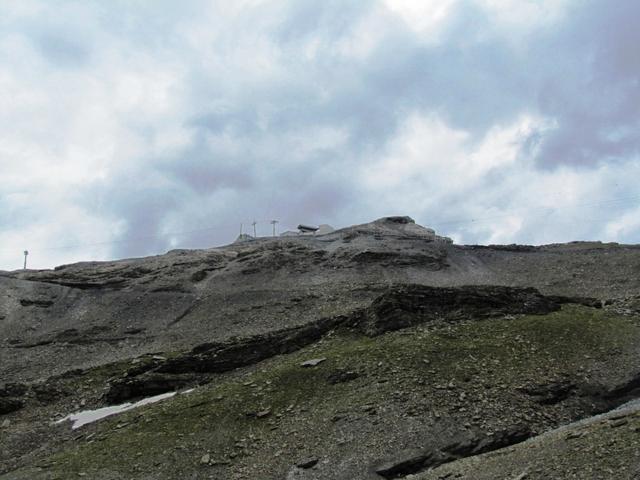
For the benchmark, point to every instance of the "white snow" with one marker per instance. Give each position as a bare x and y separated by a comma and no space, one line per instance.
88,416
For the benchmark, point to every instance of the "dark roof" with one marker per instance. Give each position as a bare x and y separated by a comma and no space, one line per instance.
307,228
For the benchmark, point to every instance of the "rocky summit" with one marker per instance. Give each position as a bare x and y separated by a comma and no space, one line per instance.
378,351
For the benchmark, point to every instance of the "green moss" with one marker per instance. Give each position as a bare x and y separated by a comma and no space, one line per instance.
216,418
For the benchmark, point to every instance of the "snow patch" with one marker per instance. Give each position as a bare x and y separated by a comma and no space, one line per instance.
89,416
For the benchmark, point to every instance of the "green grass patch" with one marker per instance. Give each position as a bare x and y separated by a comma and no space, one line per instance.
220,418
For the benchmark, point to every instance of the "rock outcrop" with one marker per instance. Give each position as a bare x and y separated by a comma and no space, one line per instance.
399,307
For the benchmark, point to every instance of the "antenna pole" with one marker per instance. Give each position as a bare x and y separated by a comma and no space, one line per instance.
26,252
273,222
255,235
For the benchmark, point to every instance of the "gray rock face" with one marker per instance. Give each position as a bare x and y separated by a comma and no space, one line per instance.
8,405
96,312
408,305
411,462
408,386
398,307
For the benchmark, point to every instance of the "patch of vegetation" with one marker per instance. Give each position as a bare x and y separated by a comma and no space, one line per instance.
260,421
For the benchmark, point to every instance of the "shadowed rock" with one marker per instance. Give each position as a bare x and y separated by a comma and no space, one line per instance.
399,307
415,461
8,405
412,304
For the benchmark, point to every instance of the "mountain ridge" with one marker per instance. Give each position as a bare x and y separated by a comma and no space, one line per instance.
97,333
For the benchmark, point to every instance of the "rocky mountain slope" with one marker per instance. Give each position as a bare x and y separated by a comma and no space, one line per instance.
376,351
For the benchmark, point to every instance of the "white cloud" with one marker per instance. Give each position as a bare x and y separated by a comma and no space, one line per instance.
624,226
425,17
124,119
525,14
364,36
57,236
500,196
429,18
427,153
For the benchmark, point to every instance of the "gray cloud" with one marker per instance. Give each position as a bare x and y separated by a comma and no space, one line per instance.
278,119
202,169
61,51
587,79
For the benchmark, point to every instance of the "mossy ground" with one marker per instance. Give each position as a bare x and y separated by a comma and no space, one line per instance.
259,422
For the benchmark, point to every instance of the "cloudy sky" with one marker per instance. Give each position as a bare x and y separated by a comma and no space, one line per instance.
128,128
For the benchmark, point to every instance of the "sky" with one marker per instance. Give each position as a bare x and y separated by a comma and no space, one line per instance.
132,127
